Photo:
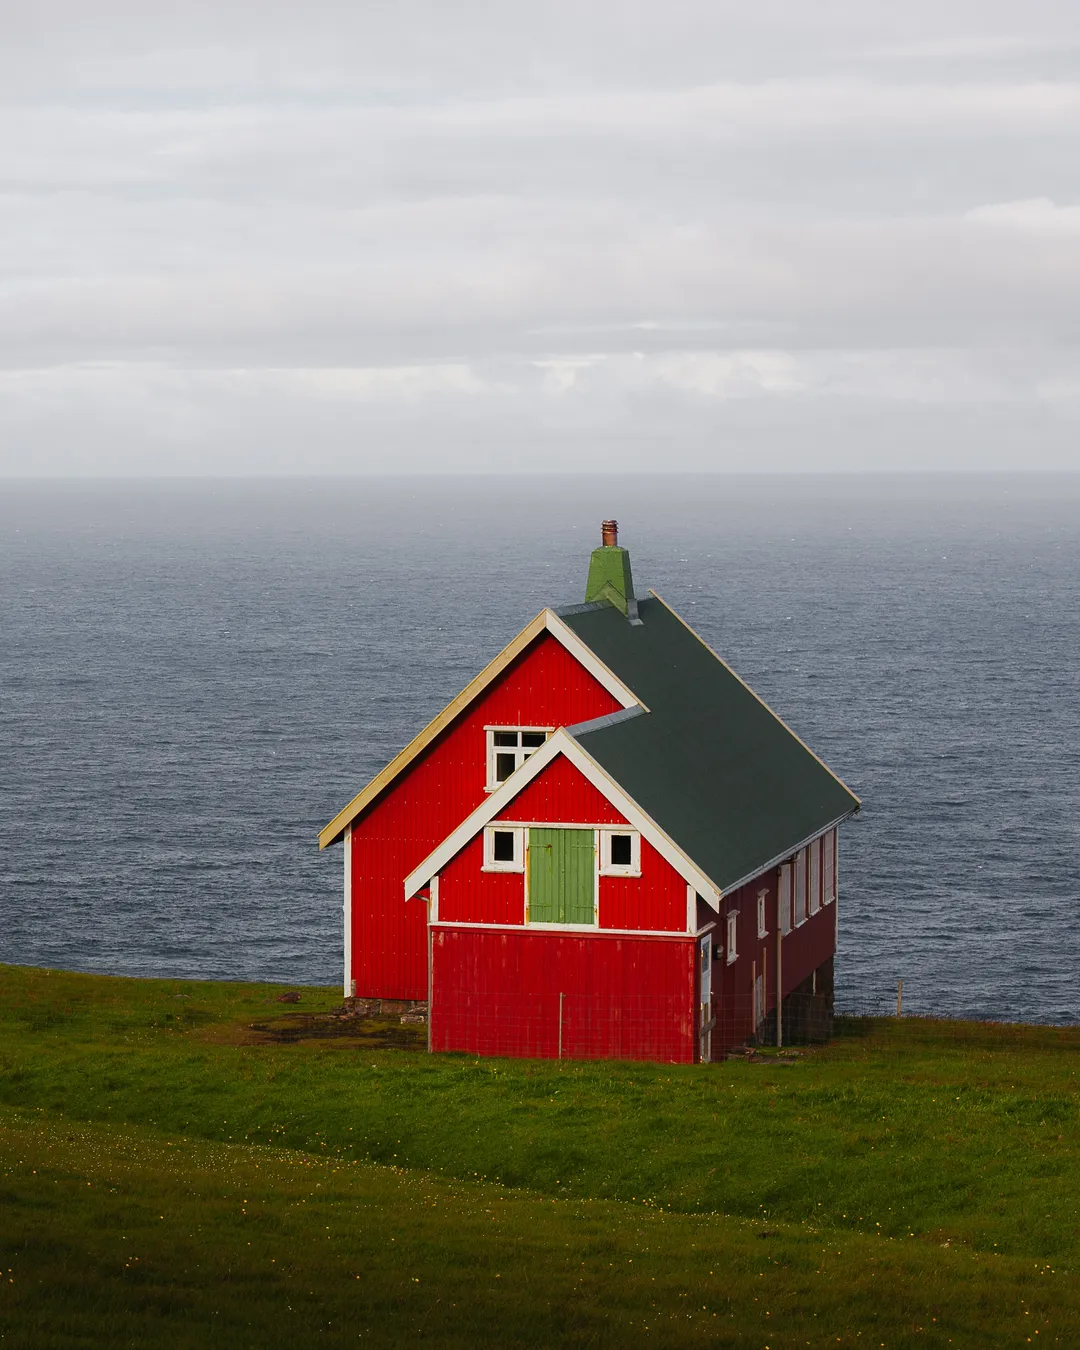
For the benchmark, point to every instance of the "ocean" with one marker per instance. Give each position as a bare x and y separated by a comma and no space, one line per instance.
195,675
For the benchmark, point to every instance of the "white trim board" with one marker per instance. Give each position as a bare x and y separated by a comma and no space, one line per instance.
570,928
563,744
346,910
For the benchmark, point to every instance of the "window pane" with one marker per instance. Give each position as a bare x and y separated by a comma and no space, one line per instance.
502,846
506,738
622,852
531,740
504,767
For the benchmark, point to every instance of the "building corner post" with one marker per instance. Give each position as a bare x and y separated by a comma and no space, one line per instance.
346,916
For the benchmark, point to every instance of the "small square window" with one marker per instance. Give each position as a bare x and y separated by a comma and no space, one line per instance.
620,853
503,849
502,845
622,850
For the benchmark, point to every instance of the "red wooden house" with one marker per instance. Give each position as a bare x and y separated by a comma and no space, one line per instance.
605,846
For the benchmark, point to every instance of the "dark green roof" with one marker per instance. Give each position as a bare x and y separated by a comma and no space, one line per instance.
715,768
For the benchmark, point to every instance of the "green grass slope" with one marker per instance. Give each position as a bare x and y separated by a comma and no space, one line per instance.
169,1176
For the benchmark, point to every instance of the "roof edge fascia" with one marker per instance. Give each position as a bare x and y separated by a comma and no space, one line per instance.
790,852
771,711
562,743
546,621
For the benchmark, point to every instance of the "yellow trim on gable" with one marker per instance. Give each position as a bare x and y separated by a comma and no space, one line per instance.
333,831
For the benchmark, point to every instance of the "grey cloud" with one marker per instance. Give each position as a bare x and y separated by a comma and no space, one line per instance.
483,234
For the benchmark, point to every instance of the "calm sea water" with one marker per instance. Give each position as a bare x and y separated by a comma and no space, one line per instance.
195,676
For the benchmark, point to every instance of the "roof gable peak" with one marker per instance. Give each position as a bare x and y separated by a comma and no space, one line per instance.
546,621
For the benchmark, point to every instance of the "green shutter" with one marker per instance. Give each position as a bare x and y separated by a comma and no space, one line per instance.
562,876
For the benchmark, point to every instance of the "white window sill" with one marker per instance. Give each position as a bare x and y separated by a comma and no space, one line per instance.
511,868
620,871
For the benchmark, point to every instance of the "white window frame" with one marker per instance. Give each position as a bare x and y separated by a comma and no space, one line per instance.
815,876
784,893
493,864
732,936
610,869
521,753
762,916
829,869
801,912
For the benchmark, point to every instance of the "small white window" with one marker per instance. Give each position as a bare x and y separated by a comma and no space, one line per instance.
508,748
504,849
620,853
762,920
815,876
830,868
785,899
800,887
732,936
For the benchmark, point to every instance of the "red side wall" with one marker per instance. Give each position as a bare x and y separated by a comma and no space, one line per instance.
545,686
805,948
512,993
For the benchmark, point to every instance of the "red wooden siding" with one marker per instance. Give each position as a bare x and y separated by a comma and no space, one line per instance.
655,900
498,993
562,795
468,894
545,686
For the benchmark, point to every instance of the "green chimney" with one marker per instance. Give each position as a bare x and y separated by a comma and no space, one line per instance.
609,573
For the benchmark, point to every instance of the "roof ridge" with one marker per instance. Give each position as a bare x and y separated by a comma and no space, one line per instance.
563,611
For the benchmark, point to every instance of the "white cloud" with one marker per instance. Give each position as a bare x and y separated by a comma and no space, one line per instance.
1034,213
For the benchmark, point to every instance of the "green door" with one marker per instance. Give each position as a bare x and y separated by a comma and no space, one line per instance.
562,876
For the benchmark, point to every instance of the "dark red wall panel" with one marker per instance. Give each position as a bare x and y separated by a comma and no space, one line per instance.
805,948
525,993
545,686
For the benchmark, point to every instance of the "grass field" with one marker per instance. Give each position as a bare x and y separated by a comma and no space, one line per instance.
169,1176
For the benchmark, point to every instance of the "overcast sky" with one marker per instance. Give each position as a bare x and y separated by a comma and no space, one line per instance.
691,234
